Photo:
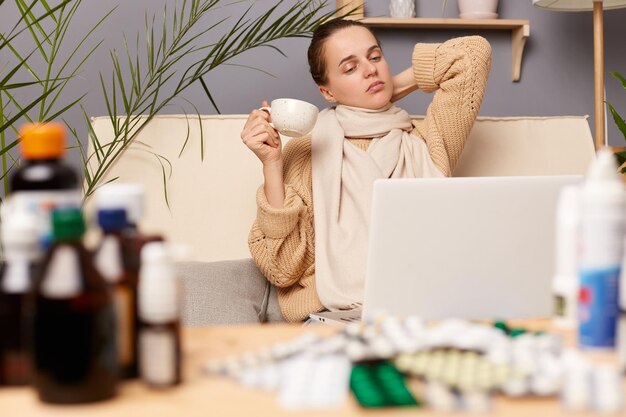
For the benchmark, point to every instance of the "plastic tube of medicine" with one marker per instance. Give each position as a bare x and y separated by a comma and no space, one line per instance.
602,238
565,282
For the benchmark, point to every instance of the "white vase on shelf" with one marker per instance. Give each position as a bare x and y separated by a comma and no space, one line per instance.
402,9
478,9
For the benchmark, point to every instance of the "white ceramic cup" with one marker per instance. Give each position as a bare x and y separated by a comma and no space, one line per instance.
291,117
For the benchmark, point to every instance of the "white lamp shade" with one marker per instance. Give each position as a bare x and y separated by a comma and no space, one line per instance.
578,5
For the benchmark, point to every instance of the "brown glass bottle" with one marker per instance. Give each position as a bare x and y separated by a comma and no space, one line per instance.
74,335
43,181
109,260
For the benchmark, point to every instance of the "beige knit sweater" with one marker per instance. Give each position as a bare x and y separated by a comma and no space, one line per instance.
282,241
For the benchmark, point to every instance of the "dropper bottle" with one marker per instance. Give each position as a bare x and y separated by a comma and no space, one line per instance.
602,238
108,259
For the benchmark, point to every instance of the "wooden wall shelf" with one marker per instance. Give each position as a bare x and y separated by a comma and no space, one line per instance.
520,28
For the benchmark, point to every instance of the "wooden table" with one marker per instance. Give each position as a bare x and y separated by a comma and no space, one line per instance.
202,395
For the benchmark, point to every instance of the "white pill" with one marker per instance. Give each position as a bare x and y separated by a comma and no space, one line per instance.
516,387
476,401
440,397
382,348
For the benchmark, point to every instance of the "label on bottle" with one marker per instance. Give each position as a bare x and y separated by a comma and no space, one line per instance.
157,357
108,260
559,305
123,300
62,277
17,279
41,204
598,309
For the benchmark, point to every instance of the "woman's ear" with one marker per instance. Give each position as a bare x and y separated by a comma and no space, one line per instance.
325,92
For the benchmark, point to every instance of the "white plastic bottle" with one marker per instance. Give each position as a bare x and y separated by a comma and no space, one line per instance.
20,242
602,238
159,312
565,282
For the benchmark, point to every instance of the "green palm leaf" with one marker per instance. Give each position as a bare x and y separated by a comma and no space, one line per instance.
619,120
146,85
619,77
47,22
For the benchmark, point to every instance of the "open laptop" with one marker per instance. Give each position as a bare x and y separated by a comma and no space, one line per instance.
471,248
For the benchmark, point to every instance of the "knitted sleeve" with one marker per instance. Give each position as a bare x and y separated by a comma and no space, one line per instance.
281,241
458,69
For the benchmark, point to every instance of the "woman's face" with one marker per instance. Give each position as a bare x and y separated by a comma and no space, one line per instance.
356,70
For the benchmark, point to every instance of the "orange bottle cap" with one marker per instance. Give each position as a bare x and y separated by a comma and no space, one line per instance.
42,140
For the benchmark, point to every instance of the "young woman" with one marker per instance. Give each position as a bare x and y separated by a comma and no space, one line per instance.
310,235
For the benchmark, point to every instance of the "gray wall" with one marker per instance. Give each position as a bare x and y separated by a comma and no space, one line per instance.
557,70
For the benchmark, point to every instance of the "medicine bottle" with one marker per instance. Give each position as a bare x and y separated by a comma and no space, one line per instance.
21,252
159,312
109,262
43,181
602,237
74,335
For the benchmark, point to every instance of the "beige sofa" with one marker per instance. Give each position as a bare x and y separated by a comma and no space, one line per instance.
212,196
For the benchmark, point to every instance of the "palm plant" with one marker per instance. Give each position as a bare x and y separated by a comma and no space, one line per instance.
620,123
143,84
47,25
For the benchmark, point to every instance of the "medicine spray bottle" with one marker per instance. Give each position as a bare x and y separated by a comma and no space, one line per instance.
602,238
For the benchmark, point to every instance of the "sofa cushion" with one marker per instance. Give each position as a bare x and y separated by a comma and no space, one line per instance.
226,292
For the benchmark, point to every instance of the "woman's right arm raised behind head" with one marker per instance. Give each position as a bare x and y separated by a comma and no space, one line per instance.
457,70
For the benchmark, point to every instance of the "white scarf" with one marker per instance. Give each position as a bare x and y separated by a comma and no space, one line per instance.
343,177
